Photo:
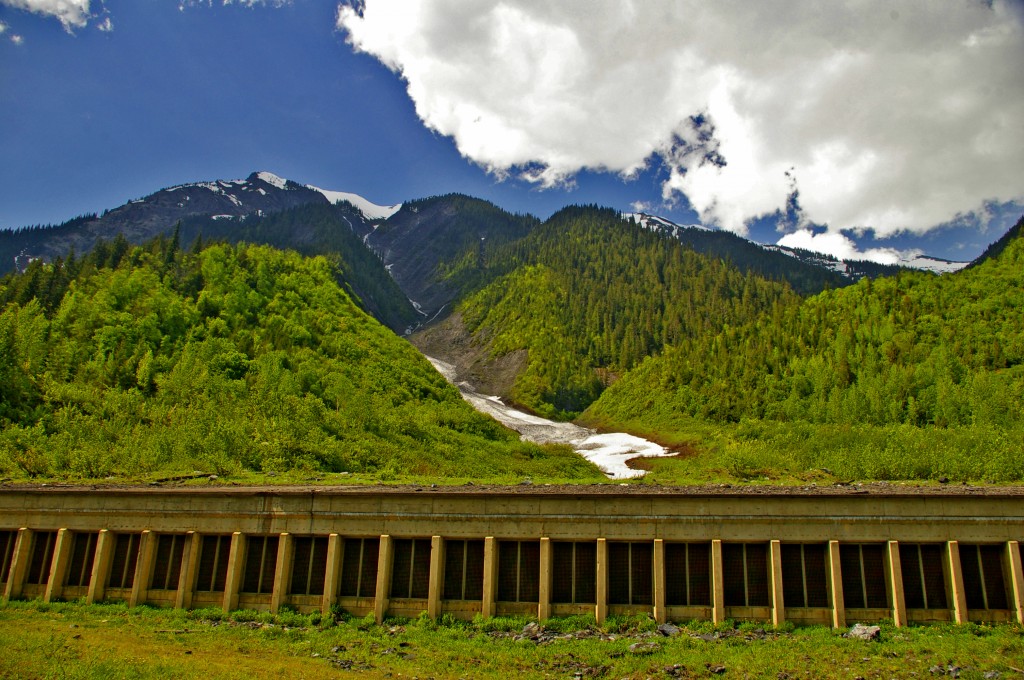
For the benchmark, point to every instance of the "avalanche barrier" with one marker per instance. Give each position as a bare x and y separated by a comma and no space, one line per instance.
762,554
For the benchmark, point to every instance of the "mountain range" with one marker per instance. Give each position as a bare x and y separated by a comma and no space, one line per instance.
411,239
624,321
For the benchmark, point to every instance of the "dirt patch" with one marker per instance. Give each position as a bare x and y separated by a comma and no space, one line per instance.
451,342
647,463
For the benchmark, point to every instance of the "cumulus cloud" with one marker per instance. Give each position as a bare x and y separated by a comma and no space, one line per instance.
842,247
72,13
887,114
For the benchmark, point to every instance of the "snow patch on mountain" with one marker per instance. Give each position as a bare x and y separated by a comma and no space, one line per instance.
610,452
655,223
273,180
811,257
932,264
371,211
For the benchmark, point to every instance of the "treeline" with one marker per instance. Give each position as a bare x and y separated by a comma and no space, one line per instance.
14,241
318,229
589,295
223,358
914,349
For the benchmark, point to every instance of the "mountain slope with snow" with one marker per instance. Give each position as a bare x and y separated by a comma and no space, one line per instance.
261,193
851,270
371,211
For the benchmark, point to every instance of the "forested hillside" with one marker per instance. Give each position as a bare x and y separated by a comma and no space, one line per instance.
320,229
134,360
912,356
589,295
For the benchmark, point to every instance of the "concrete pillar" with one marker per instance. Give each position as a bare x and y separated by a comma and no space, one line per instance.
236,563
899,602
436,582
380,601
1016,579
544,587
956,582
282,571
601,610
659,580
487,606
778,603
189,570
835,573
59,565
333,576
143,568
19,564
101,566
717,583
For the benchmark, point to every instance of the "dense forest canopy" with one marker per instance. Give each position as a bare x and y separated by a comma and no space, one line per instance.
589,295
914,348
912,356
224,358
132,360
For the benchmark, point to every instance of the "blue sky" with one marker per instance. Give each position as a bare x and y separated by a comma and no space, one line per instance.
532,106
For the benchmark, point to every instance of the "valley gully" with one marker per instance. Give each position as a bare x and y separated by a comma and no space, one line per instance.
610,452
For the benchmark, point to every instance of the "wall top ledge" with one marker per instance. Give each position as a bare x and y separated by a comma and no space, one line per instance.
607,491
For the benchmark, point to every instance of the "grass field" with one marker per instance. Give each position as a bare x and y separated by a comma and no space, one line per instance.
72,640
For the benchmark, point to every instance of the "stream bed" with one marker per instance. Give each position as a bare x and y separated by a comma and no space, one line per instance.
608,451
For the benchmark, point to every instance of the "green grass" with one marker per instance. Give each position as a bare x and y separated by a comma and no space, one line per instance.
771,452
390,477
72,640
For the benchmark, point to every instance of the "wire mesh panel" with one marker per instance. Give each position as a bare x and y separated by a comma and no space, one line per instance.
863,567
804,575
7,540
745,574
359,567
630,573
924,579
410,571
260,564
984,582
464,570
574,577
83,550
123,561
167,561
309,565
214,552
518,571
688,574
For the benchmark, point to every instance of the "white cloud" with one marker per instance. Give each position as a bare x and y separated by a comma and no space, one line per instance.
72,13
842,247
891,114
17,39
106,25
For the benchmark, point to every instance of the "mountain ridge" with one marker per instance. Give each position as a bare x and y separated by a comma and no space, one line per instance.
264,192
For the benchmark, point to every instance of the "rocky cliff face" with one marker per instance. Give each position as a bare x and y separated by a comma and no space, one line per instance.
425,234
